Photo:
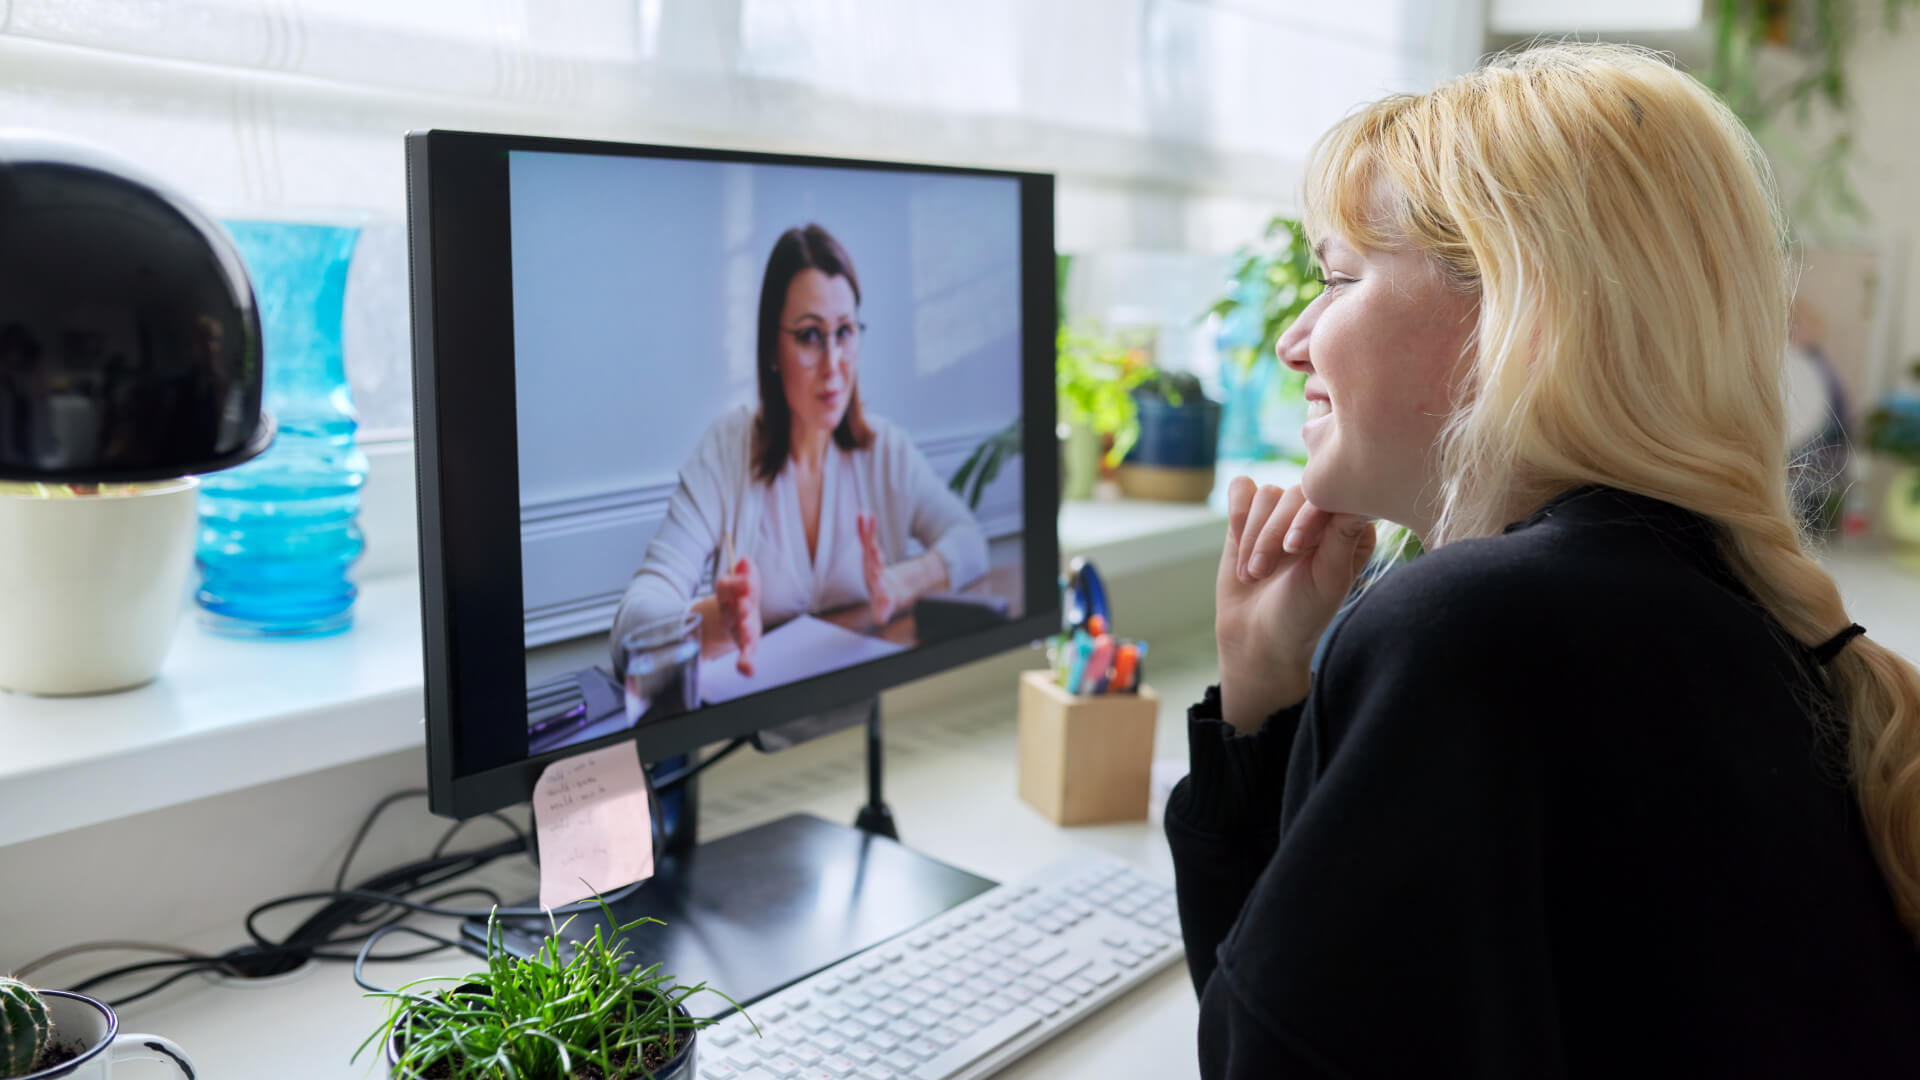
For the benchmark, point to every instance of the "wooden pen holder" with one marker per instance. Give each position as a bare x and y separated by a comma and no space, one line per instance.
1086,759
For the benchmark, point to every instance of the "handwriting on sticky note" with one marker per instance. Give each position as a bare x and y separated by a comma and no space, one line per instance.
595,826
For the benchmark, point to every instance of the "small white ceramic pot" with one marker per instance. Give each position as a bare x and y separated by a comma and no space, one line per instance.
92,587
78,1019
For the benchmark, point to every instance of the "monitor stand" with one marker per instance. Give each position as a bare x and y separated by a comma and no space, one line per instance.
750,913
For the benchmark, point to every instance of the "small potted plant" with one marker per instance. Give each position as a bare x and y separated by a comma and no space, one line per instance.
1892,430
1273,281
564,1013
1178,440
46,1034
1094,378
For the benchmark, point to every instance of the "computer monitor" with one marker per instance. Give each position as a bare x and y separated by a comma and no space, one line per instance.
710,442
632,362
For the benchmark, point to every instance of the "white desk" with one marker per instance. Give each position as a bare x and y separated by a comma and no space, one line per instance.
950,780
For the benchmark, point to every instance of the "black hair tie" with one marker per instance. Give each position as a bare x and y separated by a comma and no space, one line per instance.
1834,644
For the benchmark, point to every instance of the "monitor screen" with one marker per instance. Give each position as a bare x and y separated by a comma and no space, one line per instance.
770,423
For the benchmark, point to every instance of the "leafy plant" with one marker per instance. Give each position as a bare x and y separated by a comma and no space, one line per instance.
984,463
1825,32
1094,378
544,1017
1893,429
1276,277
1172,387
25,1029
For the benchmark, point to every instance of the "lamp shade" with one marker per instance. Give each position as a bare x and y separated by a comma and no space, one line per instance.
130,346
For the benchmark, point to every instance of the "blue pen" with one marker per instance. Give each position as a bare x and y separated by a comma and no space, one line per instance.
1139,666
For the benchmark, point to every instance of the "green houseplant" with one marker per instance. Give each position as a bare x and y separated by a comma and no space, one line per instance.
1178,436
1823,33
1094,378
560,1014
1892,430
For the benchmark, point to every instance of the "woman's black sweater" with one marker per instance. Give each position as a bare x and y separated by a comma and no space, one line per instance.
1561,802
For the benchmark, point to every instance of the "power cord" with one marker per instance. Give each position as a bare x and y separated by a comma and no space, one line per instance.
363,914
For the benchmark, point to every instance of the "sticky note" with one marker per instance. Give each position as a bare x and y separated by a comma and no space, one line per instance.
594,824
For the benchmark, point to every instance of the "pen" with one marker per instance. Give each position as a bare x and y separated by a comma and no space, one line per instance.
1139,666
1096,672
1123,665
1077,660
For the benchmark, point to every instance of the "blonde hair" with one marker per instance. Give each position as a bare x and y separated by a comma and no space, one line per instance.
1620,228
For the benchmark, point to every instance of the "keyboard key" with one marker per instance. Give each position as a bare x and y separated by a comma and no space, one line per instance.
976,1046
919,941
1036,983
743,1058
1019,995
1045,1004
1062,967
833,1010
962,1026
943,1035
900,1061
814,1023
876,1071
841,1065
982,1015
883,1040
806,1053
914,996
757,1073
829,1042
899,980
1063,995
723,1037
718,1070
860,1053
871,963
1079,986
1043,953
927,1018
893,1006
964,996
1100,974
944,1006
923,1048
774,1013
781,1066
1024,938
982,986
1126,959
818,1072
1115,941
893,955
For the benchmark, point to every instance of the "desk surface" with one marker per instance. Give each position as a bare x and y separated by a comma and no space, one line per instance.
951,783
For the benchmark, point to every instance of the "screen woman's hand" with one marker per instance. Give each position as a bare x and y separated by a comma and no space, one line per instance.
884,593
738,596
1286,568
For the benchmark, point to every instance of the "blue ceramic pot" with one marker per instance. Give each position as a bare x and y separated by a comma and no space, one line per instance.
1186,436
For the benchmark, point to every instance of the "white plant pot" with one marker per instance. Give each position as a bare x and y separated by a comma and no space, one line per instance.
92,1028
92,587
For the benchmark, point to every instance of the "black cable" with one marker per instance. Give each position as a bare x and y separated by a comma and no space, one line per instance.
366,826
674,780
366,956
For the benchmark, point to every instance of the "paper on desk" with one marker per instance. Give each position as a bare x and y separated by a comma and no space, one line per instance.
594,823
799,648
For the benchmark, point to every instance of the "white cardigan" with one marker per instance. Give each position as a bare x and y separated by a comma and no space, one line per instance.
718,495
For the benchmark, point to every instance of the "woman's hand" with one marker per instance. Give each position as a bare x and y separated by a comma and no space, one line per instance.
738,596
1286,569
883,591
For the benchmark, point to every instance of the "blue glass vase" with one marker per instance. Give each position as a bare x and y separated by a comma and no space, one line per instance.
1246,380
278,534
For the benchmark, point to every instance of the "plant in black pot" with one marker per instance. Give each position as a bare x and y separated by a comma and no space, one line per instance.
568,1012
1179,437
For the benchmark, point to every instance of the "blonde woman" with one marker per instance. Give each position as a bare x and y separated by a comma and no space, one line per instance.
1606,783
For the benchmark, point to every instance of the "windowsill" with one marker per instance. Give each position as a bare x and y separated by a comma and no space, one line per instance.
227,714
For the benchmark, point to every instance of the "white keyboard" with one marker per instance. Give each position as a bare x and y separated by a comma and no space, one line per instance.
966,993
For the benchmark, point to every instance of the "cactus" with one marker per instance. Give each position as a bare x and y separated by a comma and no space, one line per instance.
25,1028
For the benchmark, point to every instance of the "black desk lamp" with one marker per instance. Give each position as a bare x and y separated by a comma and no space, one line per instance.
130,357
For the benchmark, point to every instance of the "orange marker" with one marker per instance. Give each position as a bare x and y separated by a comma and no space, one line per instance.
1096,625
1123,665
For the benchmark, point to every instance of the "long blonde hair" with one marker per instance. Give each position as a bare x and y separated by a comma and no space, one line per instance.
1620,228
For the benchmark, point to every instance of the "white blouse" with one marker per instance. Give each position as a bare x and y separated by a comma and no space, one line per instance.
718,495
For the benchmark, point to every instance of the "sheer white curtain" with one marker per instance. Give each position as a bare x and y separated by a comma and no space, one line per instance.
1175,124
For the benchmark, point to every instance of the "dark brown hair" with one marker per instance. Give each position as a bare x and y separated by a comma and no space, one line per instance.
809,248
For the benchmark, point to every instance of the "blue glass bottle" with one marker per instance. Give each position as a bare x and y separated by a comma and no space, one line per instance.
278,534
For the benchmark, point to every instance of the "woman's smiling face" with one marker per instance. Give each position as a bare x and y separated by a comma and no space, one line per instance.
819,348
1382,347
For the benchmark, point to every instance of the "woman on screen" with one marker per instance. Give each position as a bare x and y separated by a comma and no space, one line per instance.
804,503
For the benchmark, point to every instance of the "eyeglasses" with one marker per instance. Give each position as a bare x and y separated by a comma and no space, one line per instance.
812,340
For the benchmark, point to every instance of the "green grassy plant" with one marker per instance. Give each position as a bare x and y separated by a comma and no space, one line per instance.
545,1017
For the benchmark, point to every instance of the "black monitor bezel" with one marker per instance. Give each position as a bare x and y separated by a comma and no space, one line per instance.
468,464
